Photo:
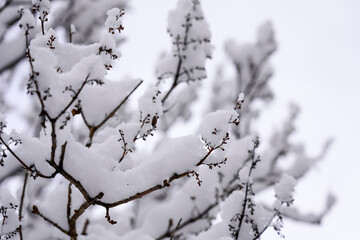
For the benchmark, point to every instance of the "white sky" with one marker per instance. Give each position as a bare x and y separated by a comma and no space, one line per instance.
316,66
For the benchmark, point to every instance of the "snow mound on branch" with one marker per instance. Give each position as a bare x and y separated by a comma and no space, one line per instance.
215,126
284,189
97,173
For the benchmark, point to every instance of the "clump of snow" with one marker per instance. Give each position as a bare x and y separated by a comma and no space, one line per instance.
108,49
176,156
215,126
241,97
113,21
113,142
72,28
284,189
149,103
43,6
27,20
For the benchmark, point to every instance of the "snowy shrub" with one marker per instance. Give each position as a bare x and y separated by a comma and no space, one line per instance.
86,175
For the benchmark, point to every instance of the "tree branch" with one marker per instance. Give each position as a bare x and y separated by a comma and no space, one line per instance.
22,203
28,168
93,129
36,211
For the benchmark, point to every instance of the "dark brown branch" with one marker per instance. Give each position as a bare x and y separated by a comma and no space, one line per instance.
22,203
23,196
74,97
53,141
86,224
85,205
108,218
176,228
71,179
166,183
68,206
79,212
205,157
223,142
62,154
28,168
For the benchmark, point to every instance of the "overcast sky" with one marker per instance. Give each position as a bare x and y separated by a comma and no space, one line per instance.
316,66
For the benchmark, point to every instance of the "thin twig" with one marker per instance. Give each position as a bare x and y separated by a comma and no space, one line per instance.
36,211
22,203
68,206
247,189
28,168
86,224
93,129
176,228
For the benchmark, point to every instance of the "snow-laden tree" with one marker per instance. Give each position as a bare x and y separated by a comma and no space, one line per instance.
86,176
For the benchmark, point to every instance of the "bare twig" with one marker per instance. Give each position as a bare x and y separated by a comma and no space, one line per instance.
166,183
86,224
31,169
68,206
36,211
176,228
22,203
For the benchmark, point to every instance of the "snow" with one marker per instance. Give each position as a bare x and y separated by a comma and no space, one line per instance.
43,6
284,189
99,101
89,17
10,223
72,28
215,126
149,103
108,44
27,20
229,207
109,143
55,205
176,156
241,97
114,21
